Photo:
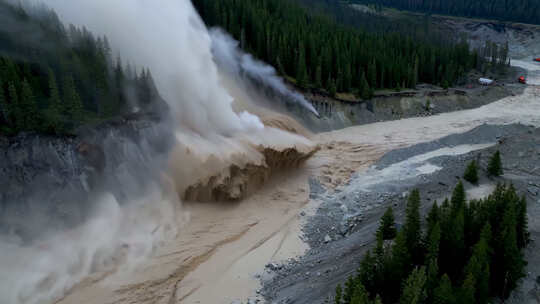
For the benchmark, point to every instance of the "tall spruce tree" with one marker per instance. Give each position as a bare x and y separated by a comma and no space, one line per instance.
55,106
387,227
414,288
468,291
444,293
512,257
15,107
495,165
4,106
28,107
72,100
412,227
471,173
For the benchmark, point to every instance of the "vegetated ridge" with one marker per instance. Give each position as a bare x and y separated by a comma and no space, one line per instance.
314,51
54,79
525,11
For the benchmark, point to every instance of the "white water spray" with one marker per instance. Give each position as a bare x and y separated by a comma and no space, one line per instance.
172,41
236,63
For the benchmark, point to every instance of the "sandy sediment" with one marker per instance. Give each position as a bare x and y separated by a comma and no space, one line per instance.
231,169
236,182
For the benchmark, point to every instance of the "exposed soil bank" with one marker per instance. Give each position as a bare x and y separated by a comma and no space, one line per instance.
425,101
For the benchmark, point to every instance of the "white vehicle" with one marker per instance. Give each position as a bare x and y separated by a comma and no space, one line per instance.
485,81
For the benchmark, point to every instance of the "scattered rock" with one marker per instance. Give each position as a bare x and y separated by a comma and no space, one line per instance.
327,238
274,266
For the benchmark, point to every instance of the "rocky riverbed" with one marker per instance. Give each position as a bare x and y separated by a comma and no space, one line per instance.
343,227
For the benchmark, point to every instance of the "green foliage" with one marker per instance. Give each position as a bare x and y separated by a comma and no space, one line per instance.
467,292
28,107
32,69
458,198
523,235
332,88
337,299
358,52
387,227
444,294
471,173
495,165
412,228
414,290
364,90
526,11
493,265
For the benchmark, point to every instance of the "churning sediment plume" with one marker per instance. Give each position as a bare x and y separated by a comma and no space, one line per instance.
208,137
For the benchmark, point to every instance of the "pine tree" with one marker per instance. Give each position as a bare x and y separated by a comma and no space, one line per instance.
301,71
495,166
28,107
360,295
471,173
458,198
522,229
467,293
332,90
367,271
388,226
433,244
15,107
412,226
432,280
72,100
443,294
415,72
372,74
363,89
432,219
350,286
337,299
55,108
414,289
318,77
401,260
4,106
512,258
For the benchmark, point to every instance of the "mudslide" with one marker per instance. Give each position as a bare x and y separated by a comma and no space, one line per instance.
219,253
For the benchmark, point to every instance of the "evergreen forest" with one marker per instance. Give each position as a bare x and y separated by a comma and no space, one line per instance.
316,51
462,252
54,79
525,11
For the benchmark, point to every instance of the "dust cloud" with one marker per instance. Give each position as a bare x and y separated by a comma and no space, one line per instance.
219,145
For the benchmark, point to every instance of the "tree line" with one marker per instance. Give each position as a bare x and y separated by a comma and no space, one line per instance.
467,252
54,79
526,11
315,51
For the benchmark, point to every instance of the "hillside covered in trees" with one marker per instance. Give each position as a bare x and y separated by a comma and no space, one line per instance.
526,11
54,79
318,52
468,252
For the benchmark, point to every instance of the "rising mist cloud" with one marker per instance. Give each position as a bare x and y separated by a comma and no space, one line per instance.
170,39
235,62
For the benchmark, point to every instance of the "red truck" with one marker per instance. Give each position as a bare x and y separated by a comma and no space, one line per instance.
537,59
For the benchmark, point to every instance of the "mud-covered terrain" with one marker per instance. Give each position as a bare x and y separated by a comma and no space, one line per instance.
426,100
343,227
